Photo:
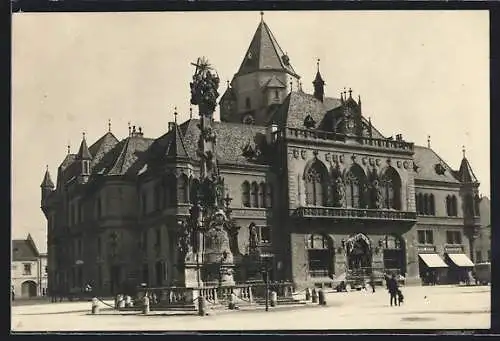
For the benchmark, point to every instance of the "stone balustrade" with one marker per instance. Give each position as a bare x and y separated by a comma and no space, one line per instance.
307,134
354,213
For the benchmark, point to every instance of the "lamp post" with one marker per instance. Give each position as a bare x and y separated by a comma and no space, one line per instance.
265,273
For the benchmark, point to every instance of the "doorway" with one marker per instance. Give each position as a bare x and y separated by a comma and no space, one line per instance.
28,289
394,254
359,255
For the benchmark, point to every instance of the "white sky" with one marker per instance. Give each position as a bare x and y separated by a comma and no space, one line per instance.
419,73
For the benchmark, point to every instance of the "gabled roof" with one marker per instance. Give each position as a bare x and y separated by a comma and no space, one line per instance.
47,181
101,147
130,158
24,249
264,53
426,160
465,173
68,160
83,152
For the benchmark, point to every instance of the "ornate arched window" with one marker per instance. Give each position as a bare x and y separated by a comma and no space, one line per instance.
262,195
432,205
391,189
254,194
316,184
183,189
355,181
193,195
245,194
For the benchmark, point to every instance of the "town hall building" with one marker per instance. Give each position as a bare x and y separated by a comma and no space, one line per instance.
311,184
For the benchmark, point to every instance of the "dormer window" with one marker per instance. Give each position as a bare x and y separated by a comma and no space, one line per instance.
309,122
276,94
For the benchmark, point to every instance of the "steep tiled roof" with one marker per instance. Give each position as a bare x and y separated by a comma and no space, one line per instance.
131,156
231,139
83,152
47,181
68,160
465,173
264,53
101,147
426,160
24,249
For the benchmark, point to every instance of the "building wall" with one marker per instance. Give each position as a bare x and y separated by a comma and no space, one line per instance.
483,243
37,276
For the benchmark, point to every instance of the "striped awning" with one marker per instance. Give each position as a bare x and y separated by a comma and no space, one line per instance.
432,260
461,260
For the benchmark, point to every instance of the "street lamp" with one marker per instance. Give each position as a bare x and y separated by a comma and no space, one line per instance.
265,272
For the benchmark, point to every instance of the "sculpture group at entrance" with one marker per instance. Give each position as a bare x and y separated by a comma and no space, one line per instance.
359,253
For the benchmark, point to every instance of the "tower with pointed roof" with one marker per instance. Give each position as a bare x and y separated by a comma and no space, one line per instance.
84,157
319,86
469,192
261,83
47,185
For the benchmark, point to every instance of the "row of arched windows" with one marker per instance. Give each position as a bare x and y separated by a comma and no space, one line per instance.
425,204
353,189
256,195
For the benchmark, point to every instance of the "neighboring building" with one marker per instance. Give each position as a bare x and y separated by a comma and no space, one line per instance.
483,243
28,269
325,190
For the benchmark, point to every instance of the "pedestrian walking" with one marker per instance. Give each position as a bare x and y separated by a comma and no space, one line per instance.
392,285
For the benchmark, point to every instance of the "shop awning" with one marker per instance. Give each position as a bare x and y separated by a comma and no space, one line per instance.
461,260
432,260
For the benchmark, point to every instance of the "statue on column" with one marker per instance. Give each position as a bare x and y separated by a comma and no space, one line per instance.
204,87
253,238
185,239
377,194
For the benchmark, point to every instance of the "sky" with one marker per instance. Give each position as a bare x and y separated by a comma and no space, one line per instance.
419,73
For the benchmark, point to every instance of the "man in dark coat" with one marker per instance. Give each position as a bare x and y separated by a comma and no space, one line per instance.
392,286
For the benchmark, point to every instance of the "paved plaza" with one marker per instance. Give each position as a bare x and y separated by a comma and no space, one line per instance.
439,307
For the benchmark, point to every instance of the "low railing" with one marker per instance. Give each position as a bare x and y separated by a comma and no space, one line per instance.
331,136
354,213
168,296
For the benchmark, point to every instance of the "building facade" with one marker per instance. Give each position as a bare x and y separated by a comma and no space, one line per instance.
28,269
483,245
312,185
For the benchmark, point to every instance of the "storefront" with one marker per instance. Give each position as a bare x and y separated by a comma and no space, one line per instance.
432,268
459,267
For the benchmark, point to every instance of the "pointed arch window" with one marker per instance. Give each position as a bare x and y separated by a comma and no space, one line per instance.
391,189
316,184
355,182
245,194
432,205
262,195
254,194
454,209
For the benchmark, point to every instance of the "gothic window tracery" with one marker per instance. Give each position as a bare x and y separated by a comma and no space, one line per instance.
316,183
355,183
262,195
183,189
391,184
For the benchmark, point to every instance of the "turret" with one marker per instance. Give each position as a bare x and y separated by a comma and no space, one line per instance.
47,185
83,158
319,85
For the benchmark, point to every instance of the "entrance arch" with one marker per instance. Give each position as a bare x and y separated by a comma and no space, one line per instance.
359,252
28,289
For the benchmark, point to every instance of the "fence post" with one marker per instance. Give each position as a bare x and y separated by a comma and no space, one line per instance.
202,306
95,306
145,305
314,296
